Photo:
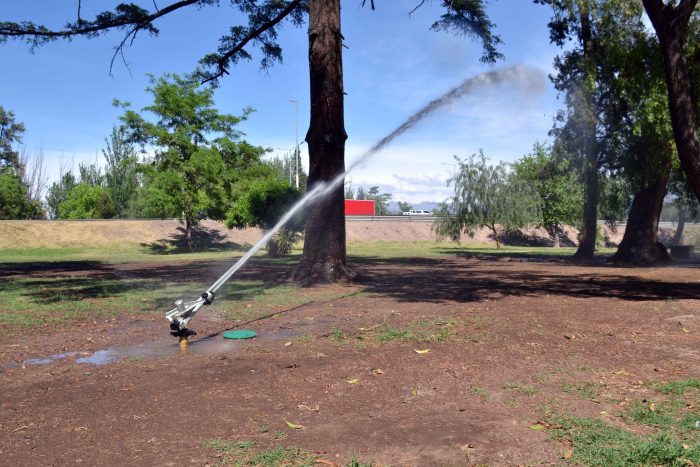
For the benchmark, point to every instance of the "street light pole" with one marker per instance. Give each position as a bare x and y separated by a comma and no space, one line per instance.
296,138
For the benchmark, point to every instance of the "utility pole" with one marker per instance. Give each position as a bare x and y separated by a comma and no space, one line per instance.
296,140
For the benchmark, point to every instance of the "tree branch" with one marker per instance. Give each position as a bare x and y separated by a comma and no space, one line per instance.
99,25
222,61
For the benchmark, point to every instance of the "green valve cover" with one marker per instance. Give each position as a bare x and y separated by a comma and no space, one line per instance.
239,334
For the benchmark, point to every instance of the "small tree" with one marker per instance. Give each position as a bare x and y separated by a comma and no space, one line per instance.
58,192
557,185
404,206
486,196
261,204
121,172
186,175
14,199
86,201
10,135
381,201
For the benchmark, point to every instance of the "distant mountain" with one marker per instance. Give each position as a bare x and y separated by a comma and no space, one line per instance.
424,205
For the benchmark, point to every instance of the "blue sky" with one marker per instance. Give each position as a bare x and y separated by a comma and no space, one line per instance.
393,65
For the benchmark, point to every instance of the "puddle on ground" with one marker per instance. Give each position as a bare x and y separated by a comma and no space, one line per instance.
210,345
49,359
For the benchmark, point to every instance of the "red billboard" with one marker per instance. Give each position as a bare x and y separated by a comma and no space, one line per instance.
359,207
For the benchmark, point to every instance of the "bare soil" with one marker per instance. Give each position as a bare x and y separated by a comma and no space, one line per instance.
512,332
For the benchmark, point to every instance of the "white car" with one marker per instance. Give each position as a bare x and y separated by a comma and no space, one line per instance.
417,212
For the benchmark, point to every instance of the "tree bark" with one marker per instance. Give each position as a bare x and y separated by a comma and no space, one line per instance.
188,233
324,257
640,244
670,23
586,110
678,235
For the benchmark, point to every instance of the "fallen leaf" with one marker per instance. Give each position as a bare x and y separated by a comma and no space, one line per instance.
315,408
421,351
685,330
567,454
287,344
293,426
352,381
570,336
325,462
378,371
536,426
652,407
466,447
686,446
622,372
603,412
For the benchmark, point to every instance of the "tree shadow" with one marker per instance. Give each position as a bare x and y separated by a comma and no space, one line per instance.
203,239
436,280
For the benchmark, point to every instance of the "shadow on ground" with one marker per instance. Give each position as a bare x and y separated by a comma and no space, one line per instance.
443,280
204,240
465,277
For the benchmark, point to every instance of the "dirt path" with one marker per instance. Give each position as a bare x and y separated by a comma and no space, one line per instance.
504,336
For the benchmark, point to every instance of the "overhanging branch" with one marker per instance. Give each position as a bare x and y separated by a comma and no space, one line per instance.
222,62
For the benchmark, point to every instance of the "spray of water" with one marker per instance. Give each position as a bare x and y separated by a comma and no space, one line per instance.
518,74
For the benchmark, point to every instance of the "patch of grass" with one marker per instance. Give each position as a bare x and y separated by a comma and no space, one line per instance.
673,422
523,388
597,443
392,334
420,331
243,453
678,387
590,391
354,462
481,392
337,335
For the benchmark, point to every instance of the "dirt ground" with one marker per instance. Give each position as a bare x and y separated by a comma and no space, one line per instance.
501,325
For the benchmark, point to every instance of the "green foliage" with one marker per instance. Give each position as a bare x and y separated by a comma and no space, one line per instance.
557,183
193,143
121,172
261,203
85,201
10,135
381,201
58,192
404,206
14,198
486,196
678,387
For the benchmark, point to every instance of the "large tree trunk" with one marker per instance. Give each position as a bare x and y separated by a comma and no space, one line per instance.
586,247
324,256
680,227
640,244
587,115
670,23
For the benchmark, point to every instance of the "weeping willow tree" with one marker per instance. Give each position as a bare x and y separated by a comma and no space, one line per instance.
486,196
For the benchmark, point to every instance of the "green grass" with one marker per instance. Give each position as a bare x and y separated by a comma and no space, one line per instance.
525,389
678,387
660,432
33,302
597,443
481,392
242,453
110,254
